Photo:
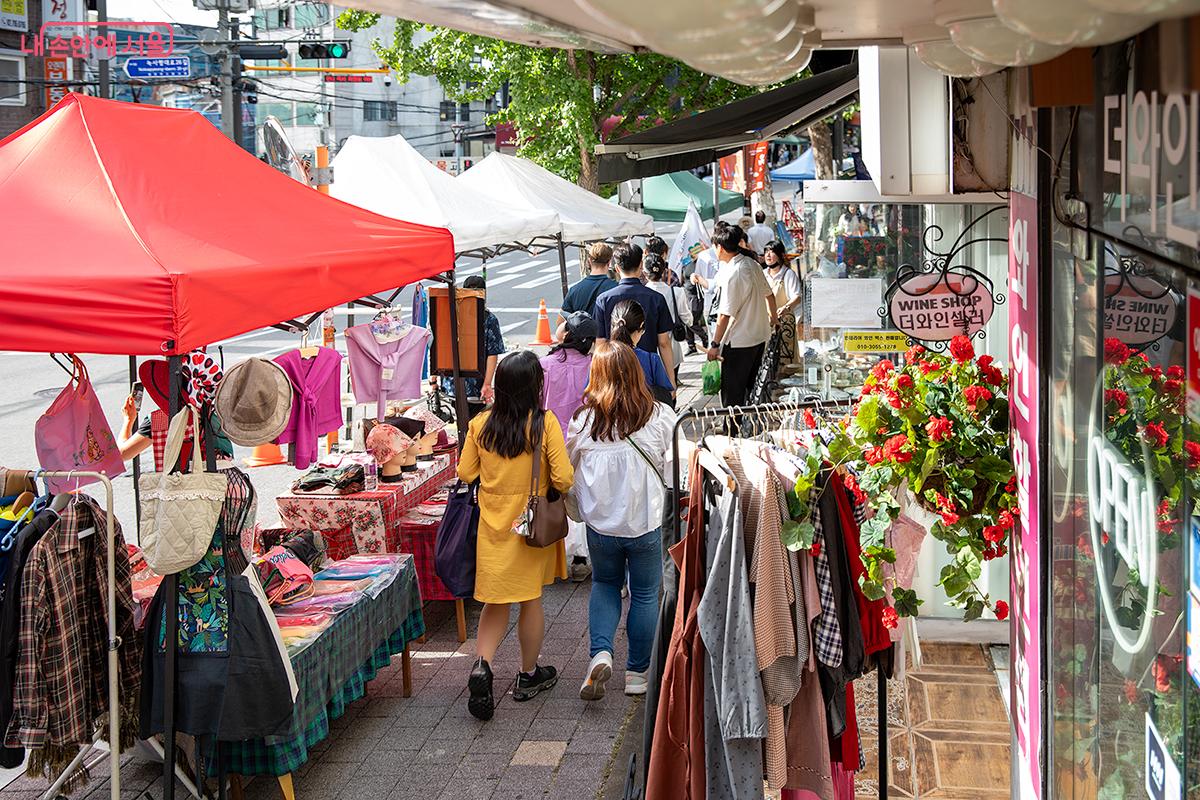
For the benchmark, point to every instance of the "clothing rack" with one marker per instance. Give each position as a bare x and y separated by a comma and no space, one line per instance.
769,410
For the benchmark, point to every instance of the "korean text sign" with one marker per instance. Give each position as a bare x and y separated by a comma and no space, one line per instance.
1026,553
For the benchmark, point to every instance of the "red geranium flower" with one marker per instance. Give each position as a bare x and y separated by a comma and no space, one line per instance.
1173,386
913,353
950,518
1006,520
1154,372
1192,449
1131,691
974,395
1001,610
904,381
1175,372
882,370
1162,678
1157,435
1011,486
809,419
993,375
815,549
898,448
961,349
939,429
927,367
1116,351
852,484
874,455
993,533
890,618
984,361
1118,398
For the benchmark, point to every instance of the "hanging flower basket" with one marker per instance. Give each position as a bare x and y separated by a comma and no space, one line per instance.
939,426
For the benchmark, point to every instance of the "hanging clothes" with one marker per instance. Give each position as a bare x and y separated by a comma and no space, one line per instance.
870,612
735,710
676,759
62,670
382,371
420,318
10,622
316,400
774,627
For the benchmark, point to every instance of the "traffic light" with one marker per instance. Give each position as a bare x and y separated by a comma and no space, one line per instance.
317,50
262,52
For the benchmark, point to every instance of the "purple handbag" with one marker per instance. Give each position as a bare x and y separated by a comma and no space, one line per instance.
454,551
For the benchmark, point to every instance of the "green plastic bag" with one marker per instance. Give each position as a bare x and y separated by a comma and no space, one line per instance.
711,373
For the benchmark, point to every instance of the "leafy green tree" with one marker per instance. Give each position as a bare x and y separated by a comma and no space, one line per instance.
559,99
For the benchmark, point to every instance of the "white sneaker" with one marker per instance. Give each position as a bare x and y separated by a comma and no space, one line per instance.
599,671
635,683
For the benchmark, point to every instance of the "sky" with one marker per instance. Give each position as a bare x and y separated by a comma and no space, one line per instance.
179,11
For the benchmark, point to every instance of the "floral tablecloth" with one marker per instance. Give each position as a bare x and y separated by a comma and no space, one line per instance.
369,515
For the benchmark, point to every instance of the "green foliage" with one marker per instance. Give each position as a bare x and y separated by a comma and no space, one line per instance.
559,98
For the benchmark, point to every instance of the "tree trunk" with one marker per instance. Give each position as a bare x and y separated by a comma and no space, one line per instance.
822,144
589,176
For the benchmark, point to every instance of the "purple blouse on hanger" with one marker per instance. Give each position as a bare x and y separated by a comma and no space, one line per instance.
316,401
385,371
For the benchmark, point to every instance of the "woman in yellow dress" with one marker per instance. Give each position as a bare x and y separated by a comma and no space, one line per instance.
497,452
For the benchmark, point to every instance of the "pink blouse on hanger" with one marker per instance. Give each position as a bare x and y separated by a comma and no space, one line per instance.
382,371
316,401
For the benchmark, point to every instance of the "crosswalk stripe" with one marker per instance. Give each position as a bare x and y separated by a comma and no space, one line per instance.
512,326
536,282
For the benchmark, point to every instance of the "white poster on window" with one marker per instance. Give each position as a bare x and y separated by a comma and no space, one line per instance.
13,15
846,302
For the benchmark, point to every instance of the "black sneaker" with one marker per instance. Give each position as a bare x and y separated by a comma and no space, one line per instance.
529,686
481,705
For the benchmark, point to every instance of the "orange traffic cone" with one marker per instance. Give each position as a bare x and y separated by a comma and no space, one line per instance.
543,326
265,455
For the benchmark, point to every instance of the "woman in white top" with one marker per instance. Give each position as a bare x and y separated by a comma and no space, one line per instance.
617,443
783,279
677,301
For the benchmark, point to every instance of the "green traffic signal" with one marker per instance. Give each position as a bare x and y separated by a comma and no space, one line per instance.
338,50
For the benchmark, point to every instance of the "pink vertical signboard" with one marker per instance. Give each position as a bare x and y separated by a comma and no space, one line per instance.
1026,553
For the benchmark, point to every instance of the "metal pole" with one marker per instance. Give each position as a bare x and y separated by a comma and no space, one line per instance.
460,387
562,264
105,79
137,460
236,81
884,766
171,603
716,191
226,75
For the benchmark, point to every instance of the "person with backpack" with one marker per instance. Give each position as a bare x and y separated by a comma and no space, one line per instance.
617,444
582,296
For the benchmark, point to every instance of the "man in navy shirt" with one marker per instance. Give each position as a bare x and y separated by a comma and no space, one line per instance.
628,260
582,296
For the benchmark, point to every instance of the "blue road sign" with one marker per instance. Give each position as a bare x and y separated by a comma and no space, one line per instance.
164,67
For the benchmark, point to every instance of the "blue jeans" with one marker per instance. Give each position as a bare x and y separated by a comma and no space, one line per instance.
612,557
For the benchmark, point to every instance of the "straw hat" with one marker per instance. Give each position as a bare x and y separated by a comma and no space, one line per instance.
254,402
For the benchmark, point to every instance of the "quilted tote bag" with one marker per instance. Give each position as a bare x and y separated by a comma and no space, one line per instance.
179,510
454,551
74,435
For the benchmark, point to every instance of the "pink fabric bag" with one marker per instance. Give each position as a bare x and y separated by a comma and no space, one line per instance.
74,435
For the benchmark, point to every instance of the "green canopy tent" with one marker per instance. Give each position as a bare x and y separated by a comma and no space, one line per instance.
665,197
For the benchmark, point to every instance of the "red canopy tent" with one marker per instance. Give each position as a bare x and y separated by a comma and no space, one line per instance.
142,230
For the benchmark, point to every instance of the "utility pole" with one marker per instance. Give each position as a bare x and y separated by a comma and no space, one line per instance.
227,56
236,71
102,18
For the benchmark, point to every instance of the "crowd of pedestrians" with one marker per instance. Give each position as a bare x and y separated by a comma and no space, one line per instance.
597,412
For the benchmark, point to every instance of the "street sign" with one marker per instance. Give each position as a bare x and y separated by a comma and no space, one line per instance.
168,67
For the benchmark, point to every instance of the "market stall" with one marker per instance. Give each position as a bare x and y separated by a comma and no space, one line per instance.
666,197
172,254
584,216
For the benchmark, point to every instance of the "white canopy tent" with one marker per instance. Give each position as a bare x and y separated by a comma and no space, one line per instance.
388,176
522,184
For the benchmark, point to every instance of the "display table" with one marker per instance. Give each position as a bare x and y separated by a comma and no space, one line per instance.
374,519
369,515
333,672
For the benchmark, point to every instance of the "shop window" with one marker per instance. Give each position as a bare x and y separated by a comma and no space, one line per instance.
310,15
272,19
281,111
307,114
379,111
12,76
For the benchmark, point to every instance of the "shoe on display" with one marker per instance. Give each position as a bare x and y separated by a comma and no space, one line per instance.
529,686
635,683
599,671
481,705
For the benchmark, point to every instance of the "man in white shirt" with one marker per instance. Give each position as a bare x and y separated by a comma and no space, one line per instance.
760,233
746,313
